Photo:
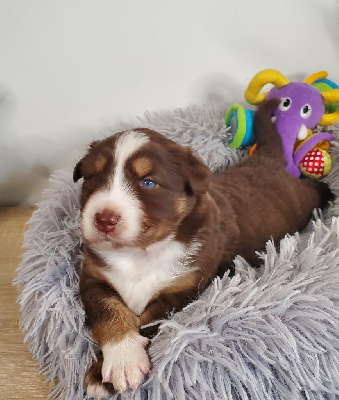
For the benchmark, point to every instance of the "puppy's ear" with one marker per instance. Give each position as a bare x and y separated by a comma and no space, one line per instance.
197,173
78,169
77,172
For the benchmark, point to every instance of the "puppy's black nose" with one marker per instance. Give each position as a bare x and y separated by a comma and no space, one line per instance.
106,221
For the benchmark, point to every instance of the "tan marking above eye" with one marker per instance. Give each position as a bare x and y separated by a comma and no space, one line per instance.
100,163
142,166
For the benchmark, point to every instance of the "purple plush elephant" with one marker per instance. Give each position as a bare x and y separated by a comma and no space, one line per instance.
300,109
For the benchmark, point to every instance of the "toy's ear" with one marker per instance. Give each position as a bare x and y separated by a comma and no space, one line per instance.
262,78
330,97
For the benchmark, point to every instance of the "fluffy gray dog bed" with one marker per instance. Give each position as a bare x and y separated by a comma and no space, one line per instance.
268,334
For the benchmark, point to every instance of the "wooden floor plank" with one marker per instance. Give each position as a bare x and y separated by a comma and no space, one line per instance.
19,377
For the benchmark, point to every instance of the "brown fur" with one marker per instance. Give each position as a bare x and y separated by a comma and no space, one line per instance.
230,213
94,376
100,164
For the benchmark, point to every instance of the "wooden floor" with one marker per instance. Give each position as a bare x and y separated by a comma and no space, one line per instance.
19,377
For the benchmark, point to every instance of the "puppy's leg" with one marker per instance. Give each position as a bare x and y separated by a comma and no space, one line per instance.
174,298
115,329
95,387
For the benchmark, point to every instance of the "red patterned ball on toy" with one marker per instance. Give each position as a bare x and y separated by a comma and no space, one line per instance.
316,163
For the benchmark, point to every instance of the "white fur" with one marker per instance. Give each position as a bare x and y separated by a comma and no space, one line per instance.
138,274
126,362
97,391
127,145
117,197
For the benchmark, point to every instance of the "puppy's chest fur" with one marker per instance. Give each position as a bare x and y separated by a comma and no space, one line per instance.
137,275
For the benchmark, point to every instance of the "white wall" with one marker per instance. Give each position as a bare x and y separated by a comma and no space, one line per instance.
68,67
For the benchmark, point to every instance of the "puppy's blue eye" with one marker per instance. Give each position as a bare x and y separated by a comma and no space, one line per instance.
148,183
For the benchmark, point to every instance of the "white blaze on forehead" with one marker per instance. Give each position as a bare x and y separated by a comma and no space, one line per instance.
118,195
126,146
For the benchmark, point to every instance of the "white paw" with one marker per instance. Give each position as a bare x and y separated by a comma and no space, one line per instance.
126,363
97,392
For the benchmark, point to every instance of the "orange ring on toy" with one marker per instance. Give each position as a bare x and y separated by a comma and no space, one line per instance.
252,149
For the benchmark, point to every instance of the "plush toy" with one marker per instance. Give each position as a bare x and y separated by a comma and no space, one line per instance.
302,107
241,121
323,85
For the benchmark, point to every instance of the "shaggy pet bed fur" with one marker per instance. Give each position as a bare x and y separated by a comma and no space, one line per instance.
267,334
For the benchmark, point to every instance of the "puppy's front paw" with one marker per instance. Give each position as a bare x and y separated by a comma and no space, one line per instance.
126,363
95,389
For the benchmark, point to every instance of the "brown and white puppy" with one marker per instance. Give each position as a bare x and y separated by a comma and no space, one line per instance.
158,227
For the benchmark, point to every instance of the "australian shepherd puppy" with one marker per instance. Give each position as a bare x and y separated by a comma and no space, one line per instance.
158,227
